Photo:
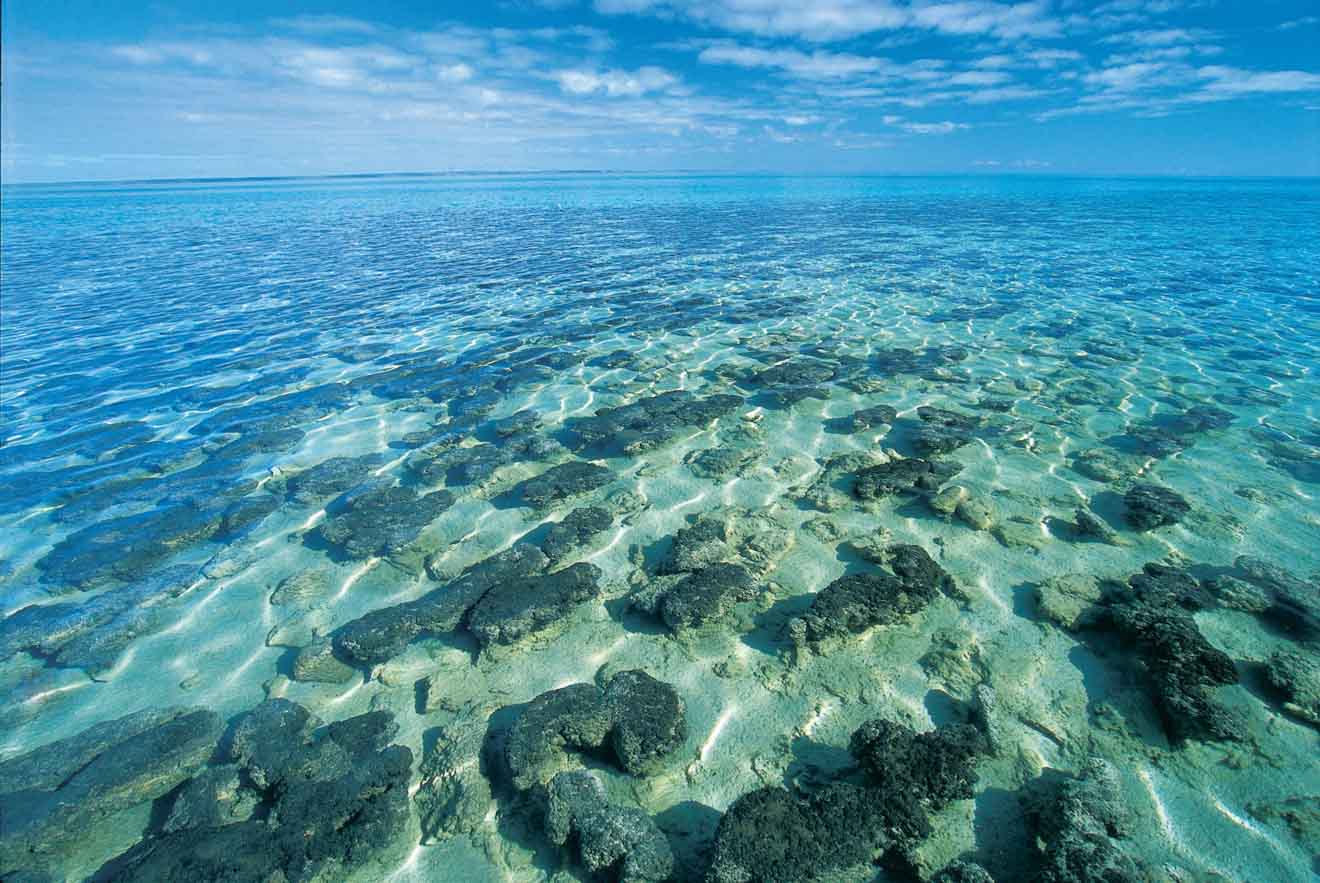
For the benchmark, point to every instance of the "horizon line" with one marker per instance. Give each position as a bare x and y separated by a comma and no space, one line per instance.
766,173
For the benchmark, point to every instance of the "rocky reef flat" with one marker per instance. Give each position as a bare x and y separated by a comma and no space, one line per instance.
870,545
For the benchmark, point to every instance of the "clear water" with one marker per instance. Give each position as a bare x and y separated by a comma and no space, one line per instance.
171,350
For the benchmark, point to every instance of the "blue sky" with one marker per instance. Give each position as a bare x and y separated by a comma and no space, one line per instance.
119,90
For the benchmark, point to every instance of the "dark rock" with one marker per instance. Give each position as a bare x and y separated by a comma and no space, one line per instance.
126,548
947,419
936,767
382,520
572,717
706,595
513,609
577,529
46,629
330,478
867,418
267,736
335,803
648,423
1182,668
697,546
856,602
932,441
212,798
650,720
721,461
1295,676
1150,506
1166,586
383,634
623,841
914,566
1079,823
770,836
517,423
61,789
906,475
559,483
963,872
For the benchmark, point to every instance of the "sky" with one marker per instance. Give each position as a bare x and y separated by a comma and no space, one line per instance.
131,89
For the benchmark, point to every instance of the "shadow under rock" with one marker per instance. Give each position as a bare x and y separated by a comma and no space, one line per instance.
1004,845
690,829
769,636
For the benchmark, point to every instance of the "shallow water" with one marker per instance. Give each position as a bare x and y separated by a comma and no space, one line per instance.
176,355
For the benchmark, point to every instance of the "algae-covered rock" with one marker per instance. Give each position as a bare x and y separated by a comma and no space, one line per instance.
382,634
1295,675
856,602
897,476
559,483
1080,823
648,423
1150,506
962,872
609,838
57,791
337,800
936,766
516,608
699,545
572,717
1182,668
454,791
382,520
650,720
577,529
705,596
640,719
1068,601
721,461
212,798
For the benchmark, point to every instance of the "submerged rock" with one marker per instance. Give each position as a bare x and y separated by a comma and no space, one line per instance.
608,838
382,634
1182,668
572,717
1079,823
721,461
330,478
868,418
577,529
1150,506
1069,600
382,520
857,602
1295,676
454,792
335,800
648,423
514,609
700,545
773,836
57,791
936,767
704,596
650,720
559,483
640,719
900,476
963,872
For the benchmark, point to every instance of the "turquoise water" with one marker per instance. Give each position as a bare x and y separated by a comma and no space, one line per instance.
255,432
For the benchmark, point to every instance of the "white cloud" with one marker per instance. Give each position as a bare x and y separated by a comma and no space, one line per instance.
455,73
813,65
941,128
615,83
824,20
1231,82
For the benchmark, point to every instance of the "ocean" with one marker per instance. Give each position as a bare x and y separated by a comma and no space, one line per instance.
691,527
